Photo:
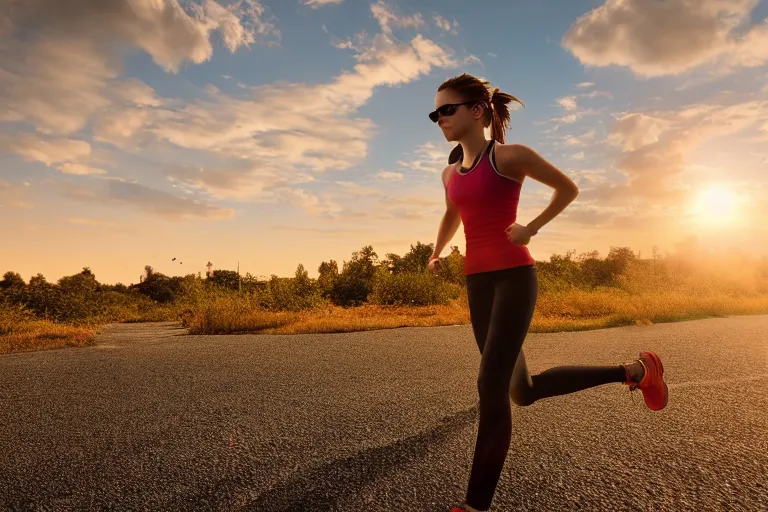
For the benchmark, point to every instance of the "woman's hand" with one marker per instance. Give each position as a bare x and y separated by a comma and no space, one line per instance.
434,264
519,234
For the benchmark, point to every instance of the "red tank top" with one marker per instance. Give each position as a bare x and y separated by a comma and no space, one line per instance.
487,203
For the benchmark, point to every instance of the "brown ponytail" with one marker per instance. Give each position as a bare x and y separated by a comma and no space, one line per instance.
497,110
500,114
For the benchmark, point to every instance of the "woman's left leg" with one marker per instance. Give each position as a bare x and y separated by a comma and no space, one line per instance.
515,293
525,389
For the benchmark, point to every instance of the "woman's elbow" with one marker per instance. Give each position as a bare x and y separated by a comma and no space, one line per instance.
569,189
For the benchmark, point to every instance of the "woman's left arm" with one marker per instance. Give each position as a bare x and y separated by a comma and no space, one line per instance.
516,160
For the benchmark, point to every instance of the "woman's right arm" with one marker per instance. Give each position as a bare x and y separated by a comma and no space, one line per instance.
451,219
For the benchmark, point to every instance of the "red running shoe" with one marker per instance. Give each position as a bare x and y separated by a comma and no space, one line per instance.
652,385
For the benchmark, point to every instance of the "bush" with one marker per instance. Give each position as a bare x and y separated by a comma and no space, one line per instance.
160,287
412,289
56,303
290,294
350,290
559,273
355,283
225,312
11,316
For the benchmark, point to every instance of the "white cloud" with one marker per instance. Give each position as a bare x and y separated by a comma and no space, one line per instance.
54,85
67,81
65,67
164,29
319,3
634,131
123,127
237,180
575,111
79,169
472,59
358,45
597,94
655,147
358,190
579,140
416,205
388,18
428,157
569,118
392,176
568,102
584,85
657,38
445,24
752,50
111,192
309,202
34,148
410,207
239,24
587,177
578,156
315,129
133,92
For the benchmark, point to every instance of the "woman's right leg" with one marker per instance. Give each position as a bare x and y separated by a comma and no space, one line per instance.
480,294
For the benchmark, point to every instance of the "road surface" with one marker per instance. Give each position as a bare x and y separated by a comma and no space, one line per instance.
154,419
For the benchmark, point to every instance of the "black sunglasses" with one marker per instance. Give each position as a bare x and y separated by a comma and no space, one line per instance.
448,110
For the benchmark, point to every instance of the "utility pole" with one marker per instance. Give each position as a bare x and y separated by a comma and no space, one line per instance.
239,282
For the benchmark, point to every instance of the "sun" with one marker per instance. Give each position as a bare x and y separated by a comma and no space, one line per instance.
716,206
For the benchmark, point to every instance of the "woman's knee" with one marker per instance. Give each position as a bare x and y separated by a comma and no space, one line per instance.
492,388
522,397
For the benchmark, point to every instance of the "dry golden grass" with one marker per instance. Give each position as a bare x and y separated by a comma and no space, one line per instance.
21,331
565,311
155,313
363,318
25,335
643,299
239,315
578,310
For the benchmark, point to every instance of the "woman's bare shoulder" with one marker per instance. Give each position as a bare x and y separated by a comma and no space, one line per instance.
448,172
512,159
514,153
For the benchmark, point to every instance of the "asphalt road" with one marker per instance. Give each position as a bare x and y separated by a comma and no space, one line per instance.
154,419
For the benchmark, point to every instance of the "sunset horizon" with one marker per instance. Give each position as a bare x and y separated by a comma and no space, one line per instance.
267,134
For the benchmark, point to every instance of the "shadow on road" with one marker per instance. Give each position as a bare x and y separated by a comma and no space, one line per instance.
322,488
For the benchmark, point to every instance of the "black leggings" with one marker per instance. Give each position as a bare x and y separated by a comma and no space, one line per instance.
501,305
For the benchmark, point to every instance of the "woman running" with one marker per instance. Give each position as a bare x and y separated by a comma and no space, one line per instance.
482,190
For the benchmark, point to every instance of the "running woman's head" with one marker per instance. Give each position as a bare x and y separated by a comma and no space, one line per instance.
465,103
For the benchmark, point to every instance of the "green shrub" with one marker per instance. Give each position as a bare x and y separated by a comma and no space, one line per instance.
289,294
412,289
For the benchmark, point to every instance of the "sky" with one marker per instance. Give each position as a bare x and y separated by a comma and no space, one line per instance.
271,133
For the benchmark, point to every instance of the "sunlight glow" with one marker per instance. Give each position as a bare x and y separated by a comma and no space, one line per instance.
716,206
